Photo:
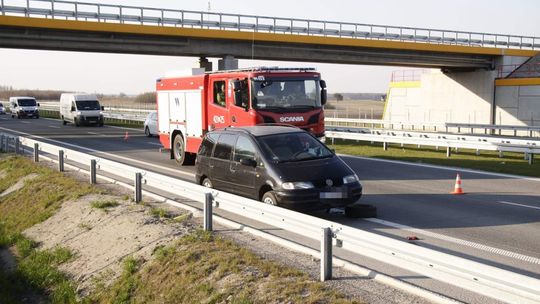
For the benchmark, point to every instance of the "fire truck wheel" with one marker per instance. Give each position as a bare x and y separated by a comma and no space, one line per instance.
179,153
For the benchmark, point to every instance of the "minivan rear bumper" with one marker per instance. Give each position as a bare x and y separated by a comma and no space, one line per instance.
321,198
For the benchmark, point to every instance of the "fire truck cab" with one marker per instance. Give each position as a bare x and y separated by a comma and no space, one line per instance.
191,104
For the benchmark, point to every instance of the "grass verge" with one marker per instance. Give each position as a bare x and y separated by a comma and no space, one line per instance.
512,163
36,277
201,268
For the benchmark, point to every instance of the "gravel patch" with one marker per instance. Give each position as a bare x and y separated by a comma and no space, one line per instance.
101,238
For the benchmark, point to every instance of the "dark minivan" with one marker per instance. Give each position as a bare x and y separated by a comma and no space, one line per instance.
278,165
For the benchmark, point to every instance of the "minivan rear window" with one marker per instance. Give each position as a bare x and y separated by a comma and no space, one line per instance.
208,144
224,146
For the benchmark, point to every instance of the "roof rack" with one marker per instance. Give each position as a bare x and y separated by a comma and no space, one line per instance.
264,69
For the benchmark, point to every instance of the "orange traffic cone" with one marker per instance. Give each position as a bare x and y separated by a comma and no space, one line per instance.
457,188
126,136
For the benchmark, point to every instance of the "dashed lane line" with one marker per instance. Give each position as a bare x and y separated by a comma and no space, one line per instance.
519,205
502,252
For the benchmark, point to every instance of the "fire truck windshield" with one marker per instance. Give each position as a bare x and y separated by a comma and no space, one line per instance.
273,93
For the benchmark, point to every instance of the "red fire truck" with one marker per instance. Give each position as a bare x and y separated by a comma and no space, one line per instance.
190,105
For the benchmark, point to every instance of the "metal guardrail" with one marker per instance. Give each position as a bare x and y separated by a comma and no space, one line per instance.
493,128
487,280
531,131
109,112
449,141
221,21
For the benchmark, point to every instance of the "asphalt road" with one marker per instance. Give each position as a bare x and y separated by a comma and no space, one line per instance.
497,221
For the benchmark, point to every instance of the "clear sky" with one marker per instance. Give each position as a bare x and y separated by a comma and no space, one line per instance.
132,74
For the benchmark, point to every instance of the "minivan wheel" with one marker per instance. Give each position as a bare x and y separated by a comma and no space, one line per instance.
147,132
76,122
269,198
207,182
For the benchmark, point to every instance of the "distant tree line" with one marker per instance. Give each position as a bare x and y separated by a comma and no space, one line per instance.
358,96
148,97
9,91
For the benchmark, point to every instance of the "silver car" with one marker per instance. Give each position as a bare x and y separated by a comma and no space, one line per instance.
2,109
150,124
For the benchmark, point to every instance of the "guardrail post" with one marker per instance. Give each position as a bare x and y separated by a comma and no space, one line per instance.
531,158
93,171
448,151
2,143
385,146
326,254
207,210
61,160
36,152
17,143
501,154
138,187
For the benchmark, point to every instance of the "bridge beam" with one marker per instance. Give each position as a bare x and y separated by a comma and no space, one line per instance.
105,42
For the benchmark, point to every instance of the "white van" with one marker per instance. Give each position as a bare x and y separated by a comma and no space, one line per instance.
80,108
22,106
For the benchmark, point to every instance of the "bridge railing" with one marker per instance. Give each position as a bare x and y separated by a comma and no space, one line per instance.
207,20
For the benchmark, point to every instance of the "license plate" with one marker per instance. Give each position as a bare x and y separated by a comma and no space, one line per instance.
333,195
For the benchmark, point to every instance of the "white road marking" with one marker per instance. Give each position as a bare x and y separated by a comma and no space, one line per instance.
520,205
145,164
450,239
154,144
54,127
93,133
444,168
25,122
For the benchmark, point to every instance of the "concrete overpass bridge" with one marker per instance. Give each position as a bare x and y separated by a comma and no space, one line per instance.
90,27
477,83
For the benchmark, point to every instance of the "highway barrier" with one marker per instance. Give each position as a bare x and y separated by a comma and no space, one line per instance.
480,278
530,131
488,143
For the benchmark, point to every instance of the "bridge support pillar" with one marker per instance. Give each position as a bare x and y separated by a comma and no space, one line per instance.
205,64
227,63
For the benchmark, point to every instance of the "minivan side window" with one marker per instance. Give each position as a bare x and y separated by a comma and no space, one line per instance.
208,145
224,146
244,149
